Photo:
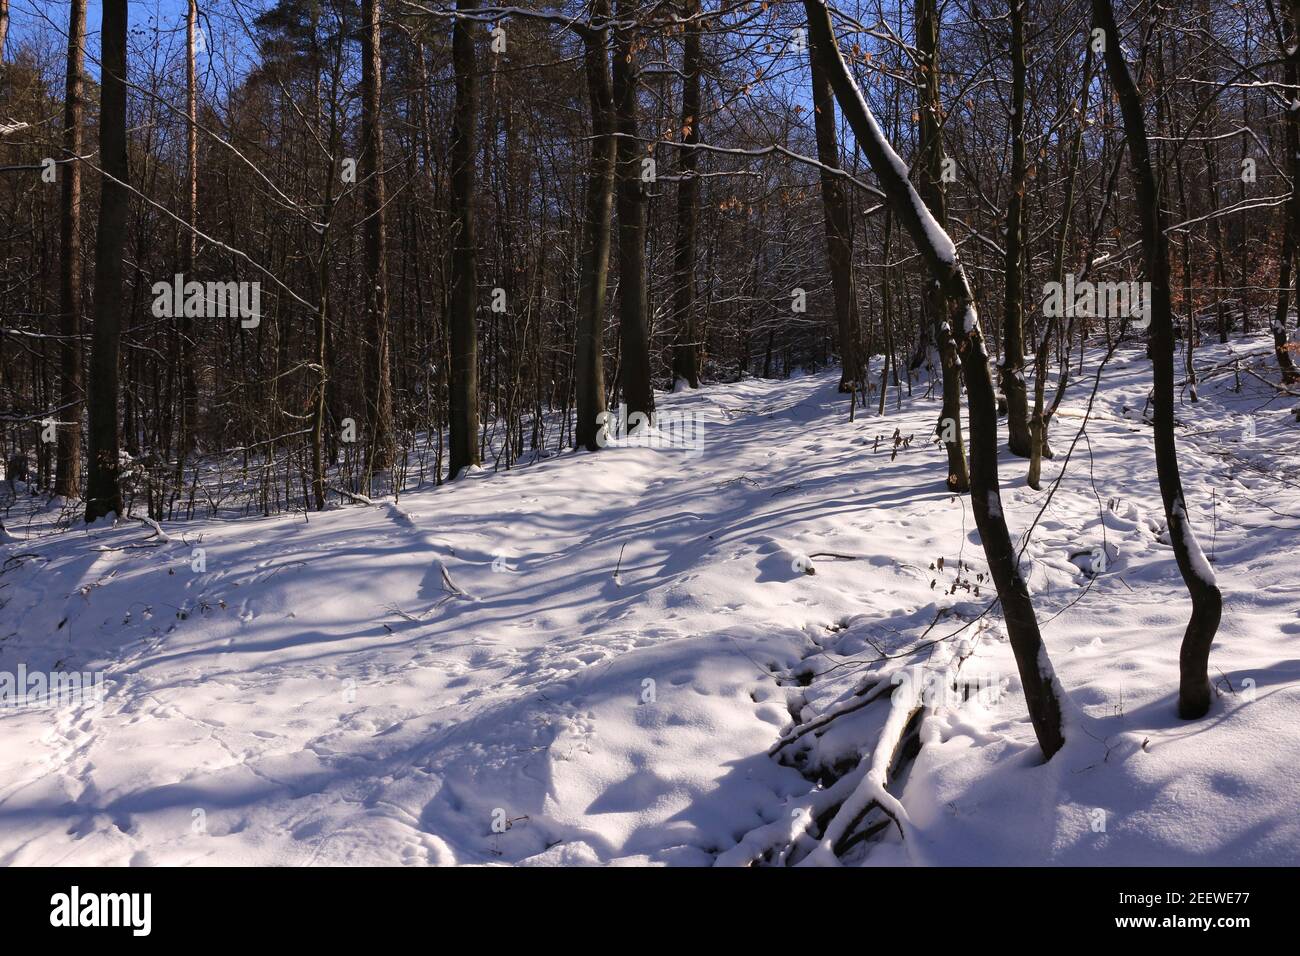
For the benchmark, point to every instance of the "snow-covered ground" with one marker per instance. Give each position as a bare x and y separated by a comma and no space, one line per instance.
588,659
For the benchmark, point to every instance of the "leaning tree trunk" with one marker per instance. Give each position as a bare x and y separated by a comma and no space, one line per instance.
1207,602
946,271
463,385
379,396
931,191
634,334
839,245
1013,317
103,483
589,362
67,473
686,352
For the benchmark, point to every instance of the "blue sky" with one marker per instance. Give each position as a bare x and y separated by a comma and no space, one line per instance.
29,18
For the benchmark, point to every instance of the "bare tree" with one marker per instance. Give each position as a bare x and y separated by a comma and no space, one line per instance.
946,271
189,237
1207,602
839,245
949,426
67,476
1013,318
379,397
686,353
103,485
634,331
1291,222
463,319
589,358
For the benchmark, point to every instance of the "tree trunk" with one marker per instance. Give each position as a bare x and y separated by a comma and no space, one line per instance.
930,159
67,476
839,246
686,350
948,275
379,398
634,338
463,334
103,485
886,319
1013,318
189,247
589,362
1291,224
1207,602
1040,421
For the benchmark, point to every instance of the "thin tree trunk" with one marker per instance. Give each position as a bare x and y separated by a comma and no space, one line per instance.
949,426
1207,602
103,484
463,333
67,477
189,384
1013,318
886,319
839,247
589,361
686,351
1211,150
1291,225
379,397
946,271
1040,421
634,335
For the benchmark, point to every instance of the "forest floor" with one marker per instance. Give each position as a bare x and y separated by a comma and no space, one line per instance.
587,659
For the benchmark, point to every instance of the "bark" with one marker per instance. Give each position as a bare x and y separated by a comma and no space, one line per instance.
67,476
634,337
589,361
189,384
686,350
103,484
1039,422
931,191
886,320
839,246
1013,317
1207,602
949,277
1211,151
1291,224
462,321
379,398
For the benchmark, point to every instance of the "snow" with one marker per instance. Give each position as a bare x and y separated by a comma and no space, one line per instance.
1200,566
459,678
938,239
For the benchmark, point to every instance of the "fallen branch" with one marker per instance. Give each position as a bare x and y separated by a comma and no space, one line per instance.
158,532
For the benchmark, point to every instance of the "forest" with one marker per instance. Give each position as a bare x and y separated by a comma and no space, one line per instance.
818,432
